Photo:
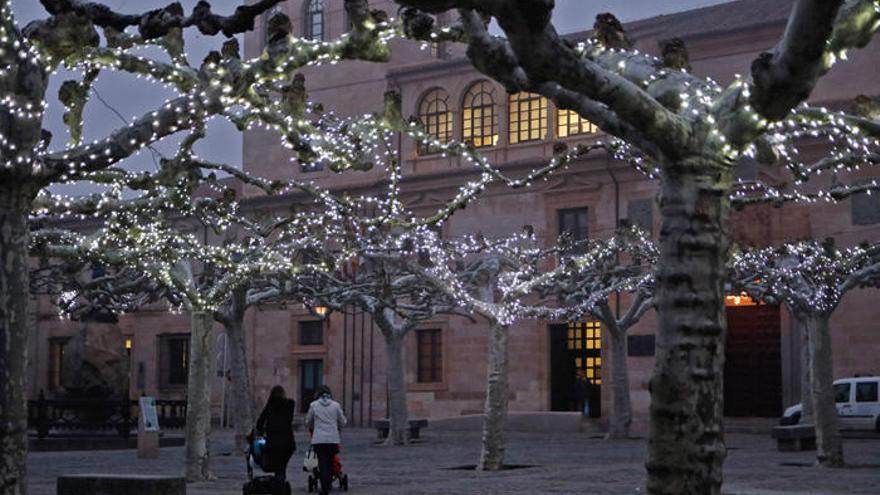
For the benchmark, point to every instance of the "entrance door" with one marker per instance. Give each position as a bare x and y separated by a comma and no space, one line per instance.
311,376
575,347
753,366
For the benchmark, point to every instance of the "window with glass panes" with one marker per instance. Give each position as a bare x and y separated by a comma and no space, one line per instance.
436,118
569,123
430,356
311,332
528,117
574,222
314,19
479,119
585,342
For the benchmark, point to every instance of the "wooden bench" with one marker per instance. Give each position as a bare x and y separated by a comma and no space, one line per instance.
114,484
383,425
795,438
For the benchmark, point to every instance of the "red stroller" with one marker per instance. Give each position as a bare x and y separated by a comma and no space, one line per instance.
310,465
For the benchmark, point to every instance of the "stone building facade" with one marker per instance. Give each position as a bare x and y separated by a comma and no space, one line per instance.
446,357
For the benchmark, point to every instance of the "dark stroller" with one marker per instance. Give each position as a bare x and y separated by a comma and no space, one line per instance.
310,465
263,485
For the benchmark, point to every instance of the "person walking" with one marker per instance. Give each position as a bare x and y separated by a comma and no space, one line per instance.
324,419
276,425
582,394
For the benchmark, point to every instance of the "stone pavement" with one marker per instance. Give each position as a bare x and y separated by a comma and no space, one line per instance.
563,463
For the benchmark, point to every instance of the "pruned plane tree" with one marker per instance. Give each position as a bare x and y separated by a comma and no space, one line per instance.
688,131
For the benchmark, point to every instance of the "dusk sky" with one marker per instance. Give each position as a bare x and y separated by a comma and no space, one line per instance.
132,97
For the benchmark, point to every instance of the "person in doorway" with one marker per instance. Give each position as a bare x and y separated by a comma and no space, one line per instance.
582,393
594,397
324,419
276,425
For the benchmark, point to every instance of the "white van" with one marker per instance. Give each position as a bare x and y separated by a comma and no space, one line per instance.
858,404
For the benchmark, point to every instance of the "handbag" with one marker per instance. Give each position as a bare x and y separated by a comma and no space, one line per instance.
310,463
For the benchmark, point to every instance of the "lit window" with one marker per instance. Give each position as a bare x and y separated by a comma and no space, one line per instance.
479,120
569,123
314,19
436,118
430,356
528,117
585,338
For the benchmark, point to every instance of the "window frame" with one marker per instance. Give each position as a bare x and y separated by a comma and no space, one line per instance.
433,369
483,90
314,10
572,118
303,323
574,210
515,117
431,119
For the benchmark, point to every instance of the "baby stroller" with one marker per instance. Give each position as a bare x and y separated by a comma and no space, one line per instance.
310,465
262,485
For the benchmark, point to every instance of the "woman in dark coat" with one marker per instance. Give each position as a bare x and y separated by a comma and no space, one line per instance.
276,425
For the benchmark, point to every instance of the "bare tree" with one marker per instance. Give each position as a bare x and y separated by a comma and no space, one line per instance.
690,132
811,278
492,279
624,263
223,85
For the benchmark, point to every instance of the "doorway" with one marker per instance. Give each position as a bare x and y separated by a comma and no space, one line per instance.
753,363
311,376
575,347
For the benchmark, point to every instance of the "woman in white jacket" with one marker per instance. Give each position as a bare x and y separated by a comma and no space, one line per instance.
324,419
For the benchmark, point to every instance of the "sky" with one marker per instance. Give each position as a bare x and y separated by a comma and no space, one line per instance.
120,96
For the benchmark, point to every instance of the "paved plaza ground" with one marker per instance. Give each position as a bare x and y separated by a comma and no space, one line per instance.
562,463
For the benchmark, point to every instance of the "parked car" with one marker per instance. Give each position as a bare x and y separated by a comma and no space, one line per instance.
858,404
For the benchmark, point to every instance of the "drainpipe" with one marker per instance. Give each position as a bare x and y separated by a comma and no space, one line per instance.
616,221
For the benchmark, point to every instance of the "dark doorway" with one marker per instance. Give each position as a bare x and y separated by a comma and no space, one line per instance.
753,365
311,376
575,347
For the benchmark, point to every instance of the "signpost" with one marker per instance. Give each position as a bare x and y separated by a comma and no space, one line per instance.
148,429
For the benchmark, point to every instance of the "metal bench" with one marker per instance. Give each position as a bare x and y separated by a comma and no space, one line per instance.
795,438
383,425
113,484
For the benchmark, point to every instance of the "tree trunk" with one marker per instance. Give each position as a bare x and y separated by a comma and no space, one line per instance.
497,394
198,397
397,407
806,385
829,446
242,393
14,331
621,414
686,448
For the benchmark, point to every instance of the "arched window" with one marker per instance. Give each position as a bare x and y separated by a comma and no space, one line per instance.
528,117
479,120
569,123
314,19
436,118
276,9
